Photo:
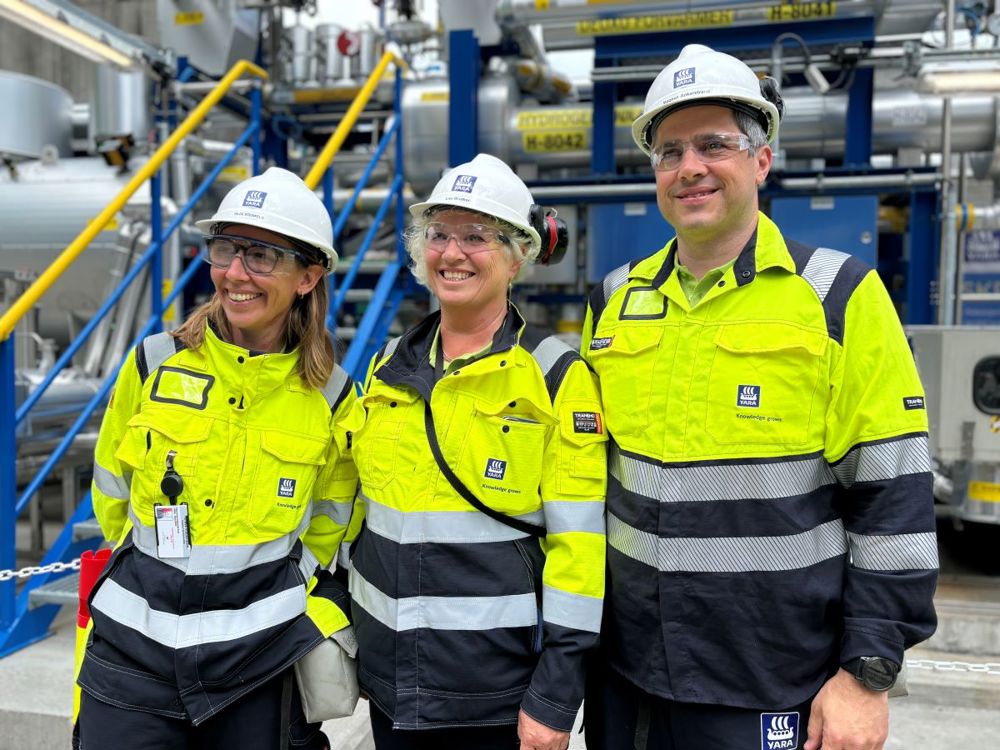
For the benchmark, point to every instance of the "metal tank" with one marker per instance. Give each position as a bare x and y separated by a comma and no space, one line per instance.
331,65
121,104
559,136
42,210
570,24
43,117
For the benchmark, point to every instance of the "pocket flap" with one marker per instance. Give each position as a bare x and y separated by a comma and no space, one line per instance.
386,397
516,410
179,428
296,449
753,337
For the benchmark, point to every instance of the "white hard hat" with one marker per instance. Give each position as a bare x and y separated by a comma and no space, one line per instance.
700,75
488,186
281,202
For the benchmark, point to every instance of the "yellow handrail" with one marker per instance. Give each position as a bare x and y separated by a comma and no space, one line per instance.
340,134
42,284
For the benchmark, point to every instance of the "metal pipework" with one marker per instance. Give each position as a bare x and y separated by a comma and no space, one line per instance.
569,24
948,271
559,136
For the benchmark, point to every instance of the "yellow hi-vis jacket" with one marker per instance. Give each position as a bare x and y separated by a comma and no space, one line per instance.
269,485
770,513
460,619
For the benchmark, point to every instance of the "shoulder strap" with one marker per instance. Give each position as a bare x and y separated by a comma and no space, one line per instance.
465,492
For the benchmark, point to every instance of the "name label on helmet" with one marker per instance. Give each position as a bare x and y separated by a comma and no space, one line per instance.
254,198
683,77
464,183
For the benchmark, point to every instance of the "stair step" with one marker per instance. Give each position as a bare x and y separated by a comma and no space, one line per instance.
87,530
374,265
64,590
346,333
358,295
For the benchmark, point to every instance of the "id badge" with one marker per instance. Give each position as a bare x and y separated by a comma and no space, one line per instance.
173,535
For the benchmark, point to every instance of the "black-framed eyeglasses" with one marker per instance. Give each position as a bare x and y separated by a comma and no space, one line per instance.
259,257
708,147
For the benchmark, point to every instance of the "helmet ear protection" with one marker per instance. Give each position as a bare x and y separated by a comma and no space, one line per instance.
553,231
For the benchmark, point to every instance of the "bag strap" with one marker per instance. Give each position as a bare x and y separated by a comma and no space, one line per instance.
467,495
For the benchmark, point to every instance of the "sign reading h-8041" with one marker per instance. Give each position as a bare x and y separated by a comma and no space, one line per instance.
555,140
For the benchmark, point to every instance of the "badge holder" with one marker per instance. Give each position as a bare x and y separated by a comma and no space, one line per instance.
173,530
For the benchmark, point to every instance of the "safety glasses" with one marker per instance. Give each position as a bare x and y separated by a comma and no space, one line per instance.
259,257
472,238
709,147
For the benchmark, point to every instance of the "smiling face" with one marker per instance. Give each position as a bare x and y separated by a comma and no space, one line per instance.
474,282
257,306
706,200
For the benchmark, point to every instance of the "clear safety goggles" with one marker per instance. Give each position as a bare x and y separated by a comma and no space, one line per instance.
471,238
709,147
259,257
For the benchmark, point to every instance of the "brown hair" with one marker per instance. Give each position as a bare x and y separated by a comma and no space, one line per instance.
306,328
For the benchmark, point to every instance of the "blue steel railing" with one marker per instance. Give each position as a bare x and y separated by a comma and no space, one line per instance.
20,625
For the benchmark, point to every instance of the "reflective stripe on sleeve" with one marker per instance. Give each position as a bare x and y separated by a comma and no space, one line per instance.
444,612
111,484
572,610
728,554
182,631
894,552
733,481
344,556
563,516
338,512
443,527
878,462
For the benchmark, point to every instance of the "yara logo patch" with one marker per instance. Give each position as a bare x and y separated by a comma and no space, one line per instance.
779,731
748,396
286,487
495,468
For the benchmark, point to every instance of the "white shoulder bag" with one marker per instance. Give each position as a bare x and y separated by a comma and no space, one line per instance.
328,677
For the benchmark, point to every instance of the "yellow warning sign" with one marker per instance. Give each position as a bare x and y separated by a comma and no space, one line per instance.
562,119
190,18
801,11
555,140
235,173
994,424
434,96
168,313
700,19
984,492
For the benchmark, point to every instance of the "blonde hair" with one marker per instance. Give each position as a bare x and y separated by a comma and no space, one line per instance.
305,328
522,248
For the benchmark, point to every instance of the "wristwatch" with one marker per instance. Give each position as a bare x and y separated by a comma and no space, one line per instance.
874,672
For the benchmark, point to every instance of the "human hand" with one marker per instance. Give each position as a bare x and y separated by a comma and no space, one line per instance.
846,715
536,736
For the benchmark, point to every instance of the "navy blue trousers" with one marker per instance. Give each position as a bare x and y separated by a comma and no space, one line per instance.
620,716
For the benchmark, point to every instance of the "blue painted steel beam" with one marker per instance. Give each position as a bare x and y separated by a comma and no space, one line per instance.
397,103
8,479
156,264
255,111
463,96
858,137
136,269
924,237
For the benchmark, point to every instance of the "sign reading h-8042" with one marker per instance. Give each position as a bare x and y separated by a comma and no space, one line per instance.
555,140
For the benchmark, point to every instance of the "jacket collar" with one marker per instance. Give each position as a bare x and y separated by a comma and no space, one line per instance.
765,249
410,364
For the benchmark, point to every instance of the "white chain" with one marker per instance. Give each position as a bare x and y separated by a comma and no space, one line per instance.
991,668
37,570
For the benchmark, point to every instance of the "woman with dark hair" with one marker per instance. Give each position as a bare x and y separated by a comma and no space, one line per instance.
223,475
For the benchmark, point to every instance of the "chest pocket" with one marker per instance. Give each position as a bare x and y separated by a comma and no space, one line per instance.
149,437
625,367
763,385
283,484
376,449
503,451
